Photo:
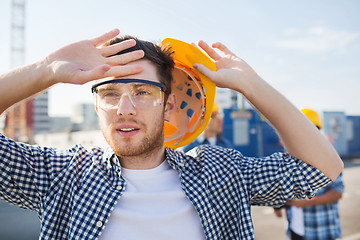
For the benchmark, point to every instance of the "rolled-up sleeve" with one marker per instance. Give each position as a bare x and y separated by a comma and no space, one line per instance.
279,177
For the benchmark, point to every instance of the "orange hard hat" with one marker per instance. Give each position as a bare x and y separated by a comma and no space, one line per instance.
194,94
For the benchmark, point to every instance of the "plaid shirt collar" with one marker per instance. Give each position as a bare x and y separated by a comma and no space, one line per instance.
175,159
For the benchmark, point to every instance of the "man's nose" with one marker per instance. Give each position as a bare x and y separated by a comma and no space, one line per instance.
126,105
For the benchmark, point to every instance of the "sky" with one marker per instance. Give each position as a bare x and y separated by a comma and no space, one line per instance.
308,50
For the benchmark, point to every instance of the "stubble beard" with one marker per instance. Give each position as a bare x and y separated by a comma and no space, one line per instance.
151,142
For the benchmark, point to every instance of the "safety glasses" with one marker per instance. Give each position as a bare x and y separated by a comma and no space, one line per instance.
141,93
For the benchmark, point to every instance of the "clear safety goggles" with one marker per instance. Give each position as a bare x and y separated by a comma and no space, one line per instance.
141,93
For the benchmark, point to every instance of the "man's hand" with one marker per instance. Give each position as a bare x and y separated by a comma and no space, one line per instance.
77,63
278,212
299,203
231,71
84,61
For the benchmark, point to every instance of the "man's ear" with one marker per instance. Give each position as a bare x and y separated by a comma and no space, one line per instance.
170,106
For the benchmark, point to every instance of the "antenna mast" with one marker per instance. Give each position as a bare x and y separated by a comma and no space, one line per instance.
17,124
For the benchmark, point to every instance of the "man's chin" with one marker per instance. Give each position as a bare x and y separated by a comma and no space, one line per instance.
127,152
126,149
132,149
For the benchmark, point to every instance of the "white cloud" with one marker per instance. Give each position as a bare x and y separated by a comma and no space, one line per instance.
317,39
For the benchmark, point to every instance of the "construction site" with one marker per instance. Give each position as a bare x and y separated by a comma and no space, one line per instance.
29,122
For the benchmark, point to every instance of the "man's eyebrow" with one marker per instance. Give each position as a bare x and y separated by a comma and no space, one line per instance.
110,86
136,85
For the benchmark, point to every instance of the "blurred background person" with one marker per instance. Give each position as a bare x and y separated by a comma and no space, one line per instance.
212,134
316,218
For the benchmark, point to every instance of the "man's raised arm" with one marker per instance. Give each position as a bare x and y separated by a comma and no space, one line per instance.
77,63
300,137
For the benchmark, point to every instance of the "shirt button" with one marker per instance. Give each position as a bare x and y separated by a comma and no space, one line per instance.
99,224
119,188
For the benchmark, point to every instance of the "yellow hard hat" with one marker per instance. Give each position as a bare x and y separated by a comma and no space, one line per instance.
312,116
194,94
215,107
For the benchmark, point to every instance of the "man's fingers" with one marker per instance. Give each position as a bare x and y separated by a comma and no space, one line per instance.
210,51
204,70
120,71
94,74
125,58
105,37
115,48
106,70
222,48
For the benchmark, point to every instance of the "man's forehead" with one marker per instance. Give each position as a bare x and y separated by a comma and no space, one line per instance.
121,84
135,80
149,72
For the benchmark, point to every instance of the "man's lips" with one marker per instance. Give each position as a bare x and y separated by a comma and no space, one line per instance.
127,130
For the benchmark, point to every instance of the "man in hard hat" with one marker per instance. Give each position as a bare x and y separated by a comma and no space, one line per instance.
316,218
212,134
137,188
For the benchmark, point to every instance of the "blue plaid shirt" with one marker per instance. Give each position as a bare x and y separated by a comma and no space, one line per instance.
322,222
75,191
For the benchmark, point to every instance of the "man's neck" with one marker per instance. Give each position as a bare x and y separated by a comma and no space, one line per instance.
146,160
209,134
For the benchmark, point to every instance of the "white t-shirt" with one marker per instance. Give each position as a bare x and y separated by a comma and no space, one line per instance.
212,141
297,221
153,207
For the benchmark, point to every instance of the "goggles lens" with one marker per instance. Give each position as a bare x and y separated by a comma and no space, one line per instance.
141,93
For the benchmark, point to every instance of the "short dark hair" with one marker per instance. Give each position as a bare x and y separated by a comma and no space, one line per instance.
160,57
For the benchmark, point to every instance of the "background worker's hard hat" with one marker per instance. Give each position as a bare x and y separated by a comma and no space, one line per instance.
194,94
313,117
215,107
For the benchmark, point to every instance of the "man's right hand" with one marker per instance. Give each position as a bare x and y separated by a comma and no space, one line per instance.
84,61
77,63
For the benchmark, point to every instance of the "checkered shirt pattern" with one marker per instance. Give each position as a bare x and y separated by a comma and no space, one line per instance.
322,222
75,191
